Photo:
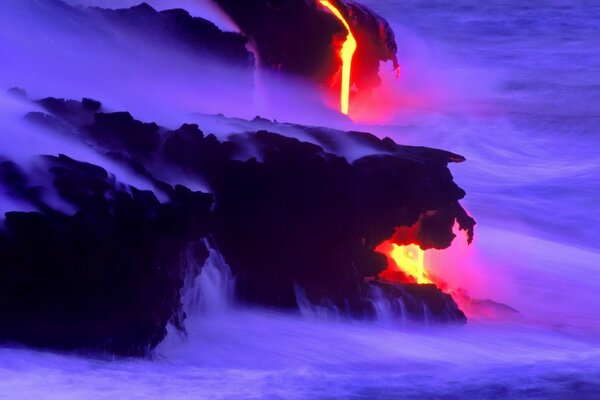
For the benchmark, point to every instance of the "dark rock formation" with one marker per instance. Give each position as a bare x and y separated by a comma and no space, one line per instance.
305,217
177,27
119,130
299,197
78,113
287,214
290,35
97,266
425,302
299,36
376,41
107,277
170,29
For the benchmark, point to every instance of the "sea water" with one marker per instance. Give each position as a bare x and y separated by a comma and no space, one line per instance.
514,86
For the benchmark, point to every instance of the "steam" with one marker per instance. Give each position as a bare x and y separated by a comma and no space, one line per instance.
532,176
525,122
48,51
51,50
22,143
199,8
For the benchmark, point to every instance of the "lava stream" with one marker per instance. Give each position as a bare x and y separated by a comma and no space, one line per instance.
346,54
406,264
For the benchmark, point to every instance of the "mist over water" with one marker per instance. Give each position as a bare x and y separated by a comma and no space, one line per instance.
513,87
530,135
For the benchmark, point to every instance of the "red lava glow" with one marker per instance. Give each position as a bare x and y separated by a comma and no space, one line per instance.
405,263
376,105
406,259
398,96
408,263
346,55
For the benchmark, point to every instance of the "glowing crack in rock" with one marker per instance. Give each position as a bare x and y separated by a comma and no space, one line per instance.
346,54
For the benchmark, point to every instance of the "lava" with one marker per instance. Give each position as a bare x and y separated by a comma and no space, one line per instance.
346,54
406,264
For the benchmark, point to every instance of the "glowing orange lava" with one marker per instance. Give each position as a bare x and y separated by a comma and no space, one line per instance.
346,54
406,264
447,269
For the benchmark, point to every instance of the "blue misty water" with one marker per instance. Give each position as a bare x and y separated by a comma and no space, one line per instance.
515,87
530,71
516,91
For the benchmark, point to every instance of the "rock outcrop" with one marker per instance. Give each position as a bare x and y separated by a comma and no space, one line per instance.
97,265
301,37
96,262
106,277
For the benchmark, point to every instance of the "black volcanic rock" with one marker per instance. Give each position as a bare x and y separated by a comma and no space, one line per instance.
120,130
14,181
115,131
150,29
79,113
288,216
106,278
290,196
298,37
411,301
189,147
290,35
304,217
178,27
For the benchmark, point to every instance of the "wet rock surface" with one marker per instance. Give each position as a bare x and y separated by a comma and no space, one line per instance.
418,302
104,272
105,277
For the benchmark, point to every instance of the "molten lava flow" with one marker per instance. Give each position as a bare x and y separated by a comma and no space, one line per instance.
346,54
406,264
